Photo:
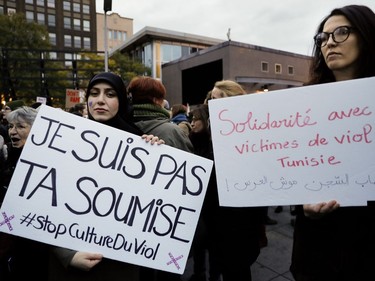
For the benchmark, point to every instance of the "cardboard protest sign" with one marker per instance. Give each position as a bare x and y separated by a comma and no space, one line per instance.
85,186
297,146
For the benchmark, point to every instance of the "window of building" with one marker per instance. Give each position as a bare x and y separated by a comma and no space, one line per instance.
86,25
29,16
1,10
51,20
290,70
11,11
52,55
67,23
85,9
76,7
185,50
170,52
41,18
67,40
77,42
52,38
124,36
40,2
86,43
264,66
67,5
119,35
110,36
29,1
77,24
68,59
147,60
51,4
278,68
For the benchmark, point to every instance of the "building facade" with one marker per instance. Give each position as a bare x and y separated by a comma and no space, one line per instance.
119,29
155,46
71,24
72,29
257,69
189,65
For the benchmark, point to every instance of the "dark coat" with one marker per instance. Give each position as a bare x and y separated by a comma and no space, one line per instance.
233,233
340,246
20,258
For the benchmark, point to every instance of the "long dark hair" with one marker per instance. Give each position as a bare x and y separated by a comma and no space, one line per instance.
363,19
201,141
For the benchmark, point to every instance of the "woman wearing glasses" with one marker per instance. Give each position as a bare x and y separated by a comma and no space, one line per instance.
331,242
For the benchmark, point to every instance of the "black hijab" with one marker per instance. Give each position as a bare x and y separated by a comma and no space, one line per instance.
121,119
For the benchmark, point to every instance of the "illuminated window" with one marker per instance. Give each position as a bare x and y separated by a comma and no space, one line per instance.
67,23
86,9
86,25
76,7
86,43
52,39
29,16
67,40
77,24
51,20
68,59
51,3
67,6
41,18
77,41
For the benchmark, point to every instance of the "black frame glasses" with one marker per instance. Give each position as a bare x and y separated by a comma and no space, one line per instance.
339,35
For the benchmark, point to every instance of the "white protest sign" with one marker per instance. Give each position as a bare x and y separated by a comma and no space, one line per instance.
85,186
297,146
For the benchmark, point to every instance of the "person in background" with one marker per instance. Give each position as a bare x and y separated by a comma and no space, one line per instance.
331,242
36,105
9,106
20,258
179,116
79,109
234,232
13,105
208,97
166,104
148,96
200,137
107,104
3,126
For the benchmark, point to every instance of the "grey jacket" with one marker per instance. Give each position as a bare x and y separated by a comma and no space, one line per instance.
169,132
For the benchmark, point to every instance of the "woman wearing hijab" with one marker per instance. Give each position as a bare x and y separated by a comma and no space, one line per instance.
108,104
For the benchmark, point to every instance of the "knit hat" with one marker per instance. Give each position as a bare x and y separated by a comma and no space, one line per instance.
15,104
116,83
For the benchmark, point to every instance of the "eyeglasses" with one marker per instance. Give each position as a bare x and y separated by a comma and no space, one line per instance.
339,35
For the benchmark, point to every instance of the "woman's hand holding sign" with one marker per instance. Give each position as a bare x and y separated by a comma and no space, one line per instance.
85,261
316,211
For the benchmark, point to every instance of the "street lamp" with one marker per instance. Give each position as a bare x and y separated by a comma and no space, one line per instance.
107,7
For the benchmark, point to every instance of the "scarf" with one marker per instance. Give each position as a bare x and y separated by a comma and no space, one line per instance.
149,111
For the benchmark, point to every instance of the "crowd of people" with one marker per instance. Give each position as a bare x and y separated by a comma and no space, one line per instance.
330,242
